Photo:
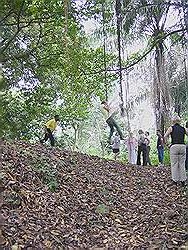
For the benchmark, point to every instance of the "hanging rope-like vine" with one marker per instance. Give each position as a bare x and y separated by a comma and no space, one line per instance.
66,20
119,19
104,52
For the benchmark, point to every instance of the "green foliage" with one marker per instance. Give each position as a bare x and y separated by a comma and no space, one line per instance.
154,156
49,61
102,209
154,153
52,185
47,174
13,199
50,66
178,79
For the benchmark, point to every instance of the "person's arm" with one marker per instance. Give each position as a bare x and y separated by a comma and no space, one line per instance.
186,131
147,140
168,132
135,142
162,141
106,107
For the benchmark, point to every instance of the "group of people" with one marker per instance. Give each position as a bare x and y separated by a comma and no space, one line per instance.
140,146
135,147
178,149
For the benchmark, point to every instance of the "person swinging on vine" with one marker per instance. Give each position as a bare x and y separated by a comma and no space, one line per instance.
109,114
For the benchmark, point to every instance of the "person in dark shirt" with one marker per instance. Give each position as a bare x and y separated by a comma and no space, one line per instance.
177,151
147,141
160,147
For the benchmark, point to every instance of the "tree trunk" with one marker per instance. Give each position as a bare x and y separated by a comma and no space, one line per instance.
161,90
75,126
118,17
185,12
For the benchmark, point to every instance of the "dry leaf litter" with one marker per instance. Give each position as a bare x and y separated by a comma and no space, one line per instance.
58,199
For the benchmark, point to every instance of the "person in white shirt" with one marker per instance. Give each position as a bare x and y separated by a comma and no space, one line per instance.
108,114
131,143
116,145
141,148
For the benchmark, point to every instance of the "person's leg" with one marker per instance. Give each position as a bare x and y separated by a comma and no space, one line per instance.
110,124
186,161
174,162
144,154
129,153
138,156
147,155
117,128
160,154
116,155
149,161
46,136
134,156
182,158
52,141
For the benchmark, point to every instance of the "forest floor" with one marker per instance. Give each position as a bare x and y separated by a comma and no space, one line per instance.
57,199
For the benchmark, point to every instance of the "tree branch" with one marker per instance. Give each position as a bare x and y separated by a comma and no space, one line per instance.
26,54
13,37
156,42
41,20
7,15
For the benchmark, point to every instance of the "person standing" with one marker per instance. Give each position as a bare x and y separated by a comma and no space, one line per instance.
147,141
131,143
50,126
116,145
177,150
160,147
141,148
109,114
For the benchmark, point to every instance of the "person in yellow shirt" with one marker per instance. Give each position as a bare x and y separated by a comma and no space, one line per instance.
50,126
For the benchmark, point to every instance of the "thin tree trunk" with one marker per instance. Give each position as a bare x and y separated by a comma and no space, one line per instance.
185,61
162,96
118,16
66,20
127,106
185,12
104,53
75,137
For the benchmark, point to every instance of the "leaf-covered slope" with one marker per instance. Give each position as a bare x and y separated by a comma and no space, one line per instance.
94,203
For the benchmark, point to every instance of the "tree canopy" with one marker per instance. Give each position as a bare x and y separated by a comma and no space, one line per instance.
50,64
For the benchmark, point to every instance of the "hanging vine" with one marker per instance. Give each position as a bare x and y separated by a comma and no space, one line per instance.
104,52
119,18
66,20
